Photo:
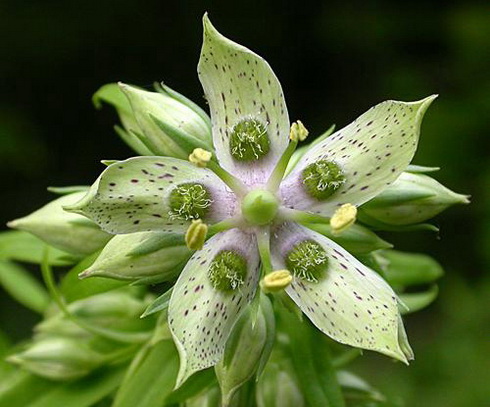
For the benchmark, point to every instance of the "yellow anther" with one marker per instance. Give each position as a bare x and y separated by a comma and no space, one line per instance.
343,217
298,131
196,235
200,157
276,281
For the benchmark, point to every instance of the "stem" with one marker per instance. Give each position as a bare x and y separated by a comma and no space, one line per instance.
235,184
278,173
222,226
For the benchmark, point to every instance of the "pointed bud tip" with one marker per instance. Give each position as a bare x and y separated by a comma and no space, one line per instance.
85,274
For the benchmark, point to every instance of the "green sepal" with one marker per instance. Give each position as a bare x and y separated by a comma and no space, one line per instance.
192,386
420,169
185,141
358,390
156,241
270,324
413,302
408,269
356,239
376,225
160,304
68,190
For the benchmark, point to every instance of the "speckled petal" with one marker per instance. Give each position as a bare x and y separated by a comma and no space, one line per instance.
133,195
372,152
352,304
201,317
240,85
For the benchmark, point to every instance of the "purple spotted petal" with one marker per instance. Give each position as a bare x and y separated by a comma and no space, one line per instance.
201,317
372,152
133,195
352,304
240,85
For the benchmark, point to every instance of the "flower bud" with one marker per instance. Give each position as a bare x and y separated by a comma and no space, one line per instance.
114,309
121,260
411,199
278,387
58,359
130,132
70,232
245,349
169,123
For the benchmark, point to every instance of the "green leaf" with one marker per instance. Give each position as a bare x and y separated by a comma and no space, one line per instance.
406,269
24,247
23,287
417,301
160,304
150,378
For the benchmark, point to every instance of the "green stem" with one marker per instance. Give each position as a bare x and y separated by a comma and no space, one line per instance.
278,173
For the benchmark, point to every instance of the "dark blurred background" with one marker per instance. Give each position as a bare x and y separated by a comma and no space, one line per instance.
335,59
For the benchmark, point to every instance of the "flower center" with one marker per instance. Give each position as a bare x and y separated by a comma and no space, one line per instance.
307,260
228,270
259,207
189,201
322,178
249,140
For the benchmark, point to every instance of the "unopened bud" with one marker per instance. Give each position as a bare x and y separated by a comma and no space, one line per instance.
343,218
170,124
58,359
276,281
141,256
298,131
411,199
200,157
196,235
66,231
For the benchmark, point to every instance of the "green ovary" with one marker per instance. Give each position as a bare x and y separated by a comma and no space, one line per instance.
259,207
189,201
227,271
307,260
249,140
322,178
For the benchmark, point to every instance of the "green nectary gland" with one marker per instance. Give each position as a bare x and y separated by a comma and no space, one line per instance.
307,260
227,271
249,140
189,201
322,178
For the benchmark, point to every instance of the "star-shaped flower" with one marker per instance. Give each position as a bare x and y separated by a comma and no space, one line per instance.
256,214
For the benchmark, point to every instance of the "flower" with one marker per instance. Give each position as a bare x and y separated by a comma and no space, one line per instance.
257,216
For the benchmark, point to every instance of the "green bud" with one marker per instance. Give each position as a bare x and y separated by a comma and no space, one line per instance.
356,239
169,124
64,230
278,387
243,353
114,309
412,198
113,95
120,260
58,359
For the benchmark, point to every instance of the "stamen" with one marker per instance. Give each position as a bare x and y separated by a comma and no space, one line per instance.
263,243
189,201
308,261
233,183
276,281
196,235
343,218
200,157
298,132
227,271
